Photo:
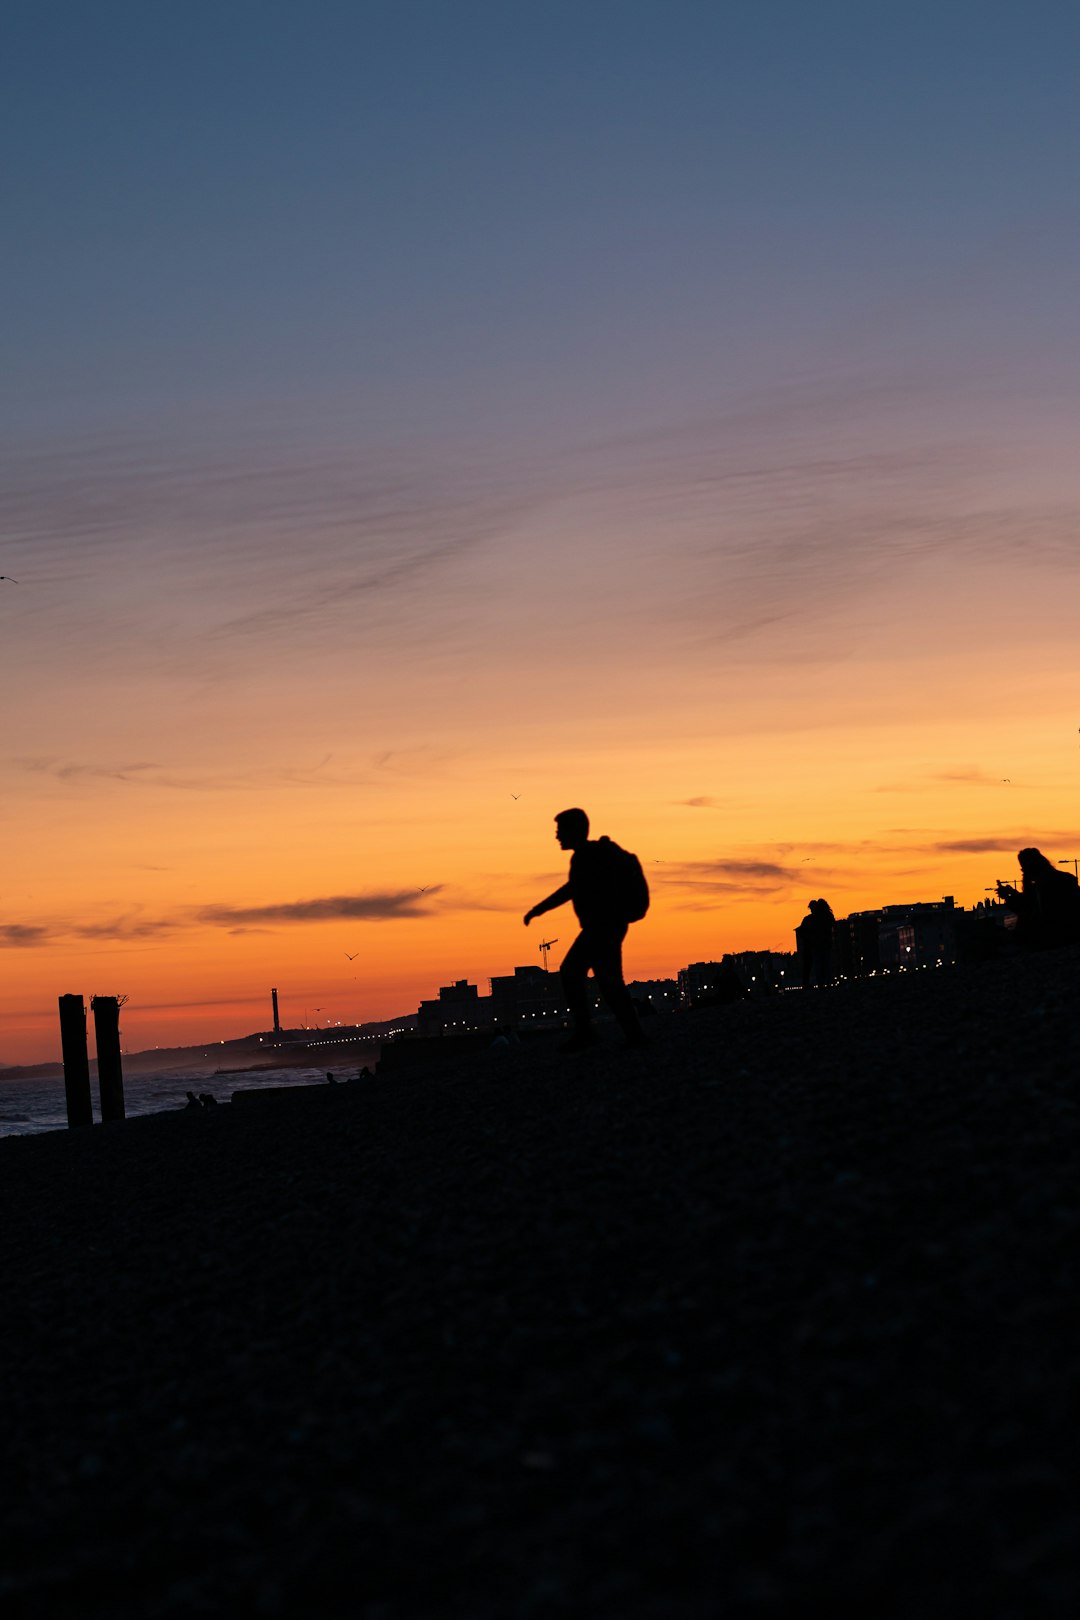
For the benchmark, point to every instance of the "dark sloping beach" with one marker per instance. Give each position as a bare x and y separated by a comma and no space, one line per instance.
777,1312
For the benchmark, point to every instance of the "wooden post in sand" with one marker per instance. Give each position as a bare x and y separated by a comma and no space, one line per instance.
76,1062
109,1067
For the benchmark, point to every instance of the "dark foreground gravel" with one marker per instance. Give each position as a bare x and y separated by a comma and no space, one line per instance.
776,1315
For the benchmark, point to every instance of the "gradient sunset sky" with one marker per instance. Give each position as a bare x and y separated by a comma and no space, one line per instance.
670,408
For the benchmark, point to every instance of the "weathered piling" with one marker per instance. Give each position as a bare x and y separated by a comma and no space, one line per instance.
76,1062
110,1070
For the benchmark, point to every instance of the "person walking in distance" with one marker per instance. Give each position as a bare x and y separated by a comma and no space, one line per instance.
607,889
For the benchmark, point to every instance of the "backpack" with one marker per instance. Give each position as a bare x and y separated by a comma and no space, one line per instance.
626,885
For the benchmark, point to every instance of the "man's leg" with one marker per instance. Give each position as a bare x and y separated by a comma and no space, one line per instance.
606,955
574,973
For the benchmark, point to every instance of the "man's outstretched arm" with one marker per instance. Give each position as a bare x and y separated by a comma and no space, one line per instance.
559,898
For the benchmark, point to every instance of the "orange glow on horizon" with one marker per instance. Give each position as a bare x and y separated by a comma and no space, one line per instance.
732,856
244,815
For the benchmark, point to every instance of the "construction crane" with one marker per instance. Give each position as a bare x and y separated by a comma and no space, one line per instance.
545,946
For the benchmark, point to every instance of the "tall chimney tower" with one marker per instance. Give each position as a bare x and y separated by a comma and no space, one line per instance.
277,1020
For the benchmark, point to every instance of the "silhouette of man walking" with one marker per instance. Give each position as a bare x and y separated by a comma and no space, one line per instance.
598,898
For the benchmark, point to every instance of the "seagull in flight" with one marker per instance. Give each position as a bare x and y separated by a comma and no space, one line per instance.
515,795
352,955
9,579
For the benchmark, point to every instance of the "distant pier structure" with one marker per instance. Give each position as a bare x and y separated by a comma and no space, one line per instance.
277,1020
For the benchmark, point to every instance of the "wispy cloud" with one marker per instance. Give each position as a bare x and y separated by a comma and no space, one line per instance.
959,776
1010,843
122,928
971,776
793,506
22,934
977,846
205,1001
368,907
79,773
775,515
159,543
401,904
706,882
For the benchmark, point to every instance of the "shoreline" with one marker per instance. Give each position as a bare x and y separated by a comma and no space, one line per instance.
777,1311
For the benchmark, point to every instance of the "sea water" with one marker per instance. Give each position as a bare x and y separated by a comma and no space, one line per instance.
28,1107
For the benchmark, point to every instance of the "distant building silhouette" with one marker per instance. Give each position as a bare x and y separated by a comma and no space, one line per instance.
529,997
915,934
654,995
920,934
526,999
457,1008
709,984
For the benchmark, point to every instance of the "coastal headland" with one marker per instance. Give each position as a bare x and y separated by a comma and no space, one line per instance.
778,1313
290,1049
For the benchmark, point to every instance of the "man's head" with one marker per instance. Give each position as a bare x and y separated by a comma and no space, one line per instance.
572,828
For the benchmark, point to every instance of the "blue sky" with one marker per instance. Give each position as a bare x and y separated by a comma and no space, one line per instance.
526,215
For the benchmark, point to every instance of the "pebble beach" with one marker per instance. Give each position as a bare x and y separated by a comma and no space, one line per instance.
774,1315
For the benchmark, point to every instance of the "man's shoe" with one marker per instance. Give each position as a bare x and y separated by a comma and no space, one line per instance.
579,1043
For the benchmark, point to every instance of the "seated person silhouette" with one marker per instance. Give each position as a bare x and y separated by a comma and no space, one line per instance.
604,916
822,937
1047,904
813,941
804,946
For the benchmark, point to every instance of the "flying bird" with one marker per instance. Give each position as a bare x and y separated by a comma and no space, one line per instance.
352,955
515,795
9,579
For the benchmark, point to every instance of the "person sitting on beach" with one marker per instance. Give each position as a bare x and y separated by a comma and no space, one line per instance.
821,940
604,917
804,946
505,1037
1047,904
813,941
